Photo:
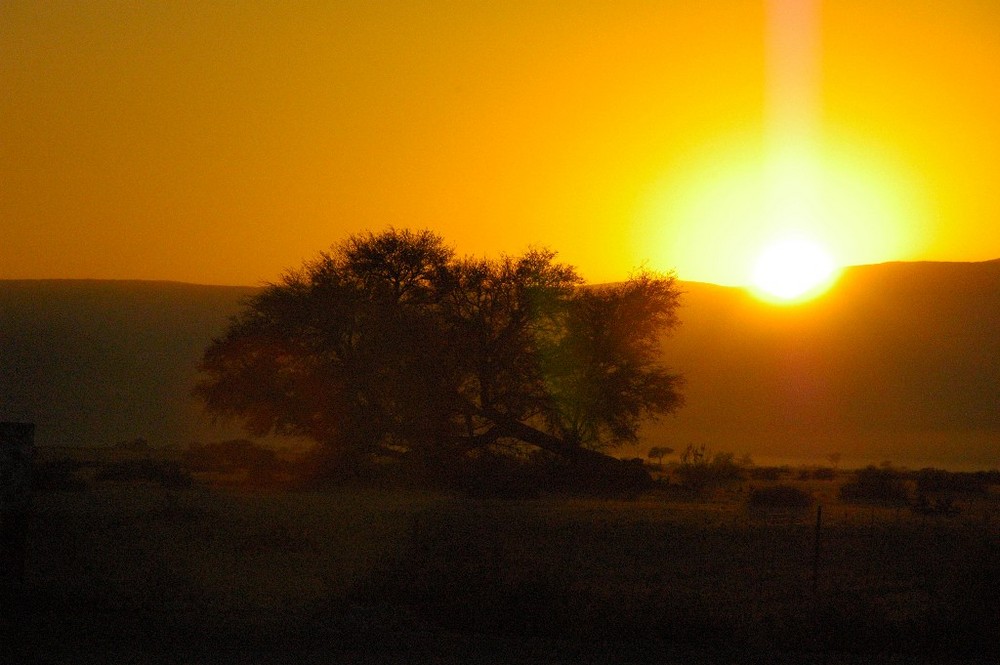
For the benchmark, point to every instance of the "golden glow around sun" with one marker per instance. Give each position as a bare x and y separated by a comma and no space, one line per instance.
801,185
712,213
792,269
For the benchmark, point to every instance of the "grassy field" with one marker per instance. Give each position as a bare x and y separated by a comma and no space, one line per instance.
144,571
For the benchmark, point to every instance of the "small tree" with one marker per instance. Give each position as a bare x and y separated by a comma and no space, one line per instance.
694,455
658,453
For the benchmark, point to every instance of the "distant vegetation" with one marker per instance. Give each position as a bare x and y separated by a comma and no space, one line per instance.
768,472
823,473
881,485
939,480
699,468
926,490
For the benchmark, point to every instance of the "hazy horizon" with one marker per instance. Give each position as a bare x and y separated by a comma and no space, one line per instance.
898,362
263,282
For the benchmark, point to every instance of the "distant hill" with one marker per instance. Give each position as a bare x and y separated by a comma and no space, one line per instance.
97,362
899,361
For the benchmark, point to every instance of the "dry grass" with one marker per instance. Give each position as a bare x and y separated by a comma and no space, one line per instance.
668,568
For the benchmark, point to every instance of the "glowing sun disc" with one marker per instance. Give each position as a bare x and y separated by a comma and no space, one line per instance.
793,269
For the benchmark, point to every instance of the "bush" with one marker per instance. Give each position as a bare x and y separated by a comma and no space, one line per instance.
991,477
939,480
779,496
767,472
699,471
824,473
880,485
167,474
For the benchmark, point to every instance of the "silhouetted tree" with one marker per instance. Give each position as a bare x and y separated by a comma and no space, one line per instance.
390,345
659,452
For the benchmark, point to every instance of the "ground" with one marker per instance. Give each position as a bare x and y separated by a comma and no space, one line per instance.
136,571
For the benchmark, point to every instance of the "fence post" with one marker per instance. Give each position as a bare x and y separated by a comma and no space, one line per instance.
17,448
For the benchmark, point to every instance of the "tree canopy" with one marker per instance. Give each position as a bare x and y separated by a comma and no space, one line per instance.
389,344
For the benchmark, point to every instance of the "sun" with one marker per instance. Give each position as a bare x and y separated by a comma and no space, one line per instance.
792,269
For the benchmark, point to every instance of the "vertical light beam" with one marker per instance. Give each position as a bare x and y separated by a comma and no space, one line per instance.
792,68
793,83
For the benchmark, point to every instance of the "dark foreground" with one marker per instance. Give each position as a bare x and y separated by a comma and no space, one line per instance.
139,573
63,632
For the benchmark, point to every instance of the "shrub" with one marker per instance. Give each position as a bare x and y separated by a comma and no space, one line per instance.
699,471
779,496
767,472
991,477
824,473
881,485
939,480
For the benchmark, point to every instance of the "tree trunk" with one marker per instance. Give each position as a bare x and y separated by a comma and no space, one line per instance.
589,468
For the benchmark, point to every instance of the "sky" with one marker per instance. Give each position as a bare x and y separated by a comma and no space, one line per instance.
224,142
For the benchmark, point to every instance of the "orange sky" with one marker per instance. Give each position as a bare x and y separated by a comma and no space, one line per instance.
224,142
